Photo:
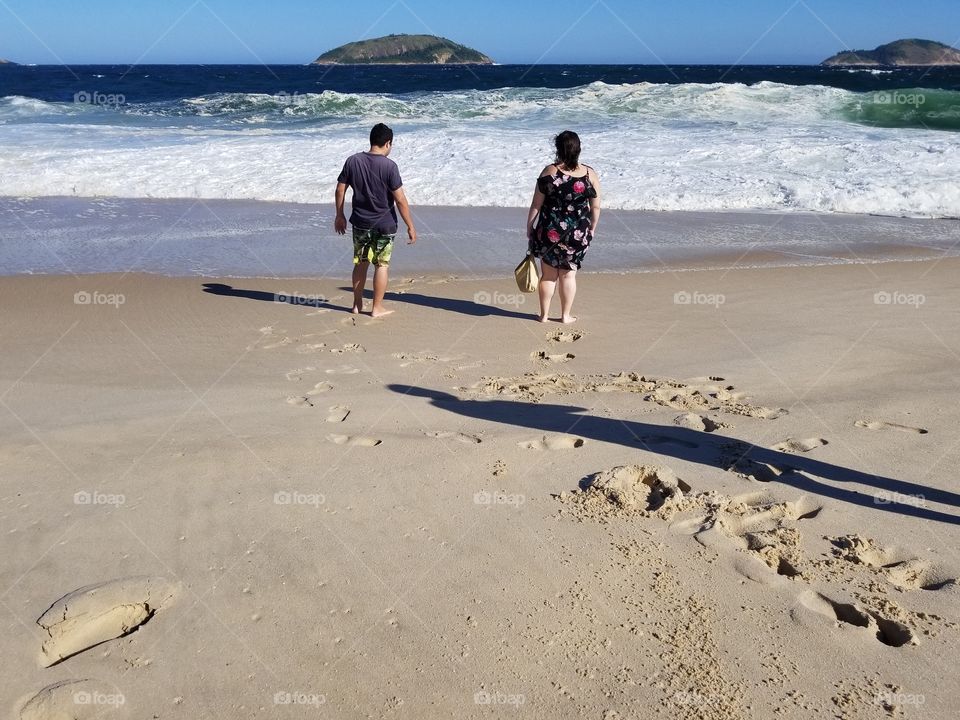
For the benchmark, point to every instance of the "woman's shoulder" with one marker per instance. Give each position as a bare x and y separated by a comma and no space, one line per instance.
591,173
549,170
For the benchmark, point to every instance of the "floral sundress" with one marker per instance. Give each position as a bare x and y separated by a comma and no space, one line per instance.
563,232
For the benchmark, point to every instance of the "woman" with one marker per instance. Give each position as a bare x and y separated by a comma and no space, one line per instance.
562,220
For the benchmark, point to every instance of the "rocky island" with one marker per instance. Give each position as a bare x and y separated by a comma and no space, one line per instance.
904,53
402,50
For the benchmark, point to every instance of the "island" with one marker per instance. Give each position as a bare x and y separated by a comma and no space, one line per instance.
902,53
403,50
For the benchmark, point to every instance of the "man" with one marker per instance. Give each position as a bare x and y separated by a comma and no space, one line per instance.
377,195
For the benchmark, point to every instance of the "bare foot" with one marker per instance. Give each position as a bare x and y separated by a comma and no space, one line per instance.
568,320
380,312
356,310
543,319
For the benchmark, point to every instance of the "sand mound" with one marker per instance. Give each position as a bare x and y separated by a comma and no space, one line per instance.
626,490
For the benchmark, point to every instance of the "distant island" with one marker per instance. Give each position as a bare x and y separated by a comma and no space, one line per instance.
900,53
403,49
6,62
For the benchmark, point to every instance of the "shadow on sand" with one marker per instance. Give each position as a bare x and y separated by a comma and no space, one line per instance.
454,305
264,296
701,447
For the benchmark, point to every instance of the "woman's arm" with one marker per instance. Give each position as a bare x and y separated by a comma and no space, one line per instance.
537,202
594,202
535,206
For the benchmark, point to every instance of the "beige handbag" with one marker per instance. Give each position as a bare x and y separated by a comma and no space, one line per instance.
527,274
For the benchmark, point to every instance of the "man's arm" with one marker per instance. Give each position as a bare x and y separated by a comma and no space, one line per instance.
403,207
340,223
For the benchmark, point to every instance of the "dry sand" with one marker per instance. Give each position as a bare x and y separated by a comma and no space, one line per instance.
742,506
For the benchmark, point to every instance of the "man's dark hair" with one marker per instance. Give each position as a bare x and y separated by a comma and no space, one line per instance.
568,149
380,135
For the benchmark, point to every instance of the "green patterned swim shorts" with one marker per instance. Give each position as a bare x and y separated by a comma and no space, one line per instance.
371,246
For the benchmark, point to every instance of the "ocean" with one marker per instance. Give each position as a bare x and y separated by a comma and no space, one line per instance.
682,138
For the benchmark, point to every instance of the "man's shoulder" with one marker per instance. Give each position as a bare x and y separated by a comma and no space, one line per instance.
383,160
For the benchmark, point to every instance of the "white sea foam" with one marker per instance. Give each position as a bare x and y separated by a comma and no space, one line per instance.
658,147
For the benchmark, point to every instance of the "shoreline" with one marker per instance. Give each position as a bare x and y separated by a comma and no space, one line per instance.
239,238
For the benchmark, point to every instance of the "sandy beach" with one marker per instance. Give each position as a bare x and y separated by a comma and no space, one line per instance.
721,494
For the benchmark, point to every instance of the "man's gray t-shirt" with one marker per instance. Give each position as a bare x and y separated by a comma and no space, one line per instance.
373,179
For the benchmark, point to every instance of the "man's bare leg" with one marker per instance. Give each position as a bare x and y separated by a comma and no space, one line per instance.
380,275
546,287
568,291
359,282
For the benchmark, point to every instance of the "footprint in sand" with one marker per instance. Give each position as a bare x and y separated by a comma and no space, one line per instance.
459,437
299,401
799,446
692,421
297,375
337,413
882,425
813,606
753,523
349,348
564,336
736,459
664,440
354,440
423,357
70,699
311,348
900,569
305,400
917,574
343,370
552,442
556,358
97,613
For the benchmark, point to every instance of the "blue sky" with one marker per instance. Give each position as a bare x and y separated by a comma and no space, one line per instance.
511,31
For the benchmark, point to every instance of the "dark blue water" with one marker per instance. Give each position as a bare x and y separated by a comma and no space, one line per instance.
159,83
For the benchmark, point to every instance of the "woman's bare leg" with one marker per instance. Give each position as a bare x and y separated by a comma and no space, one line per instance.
568,291
548,283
